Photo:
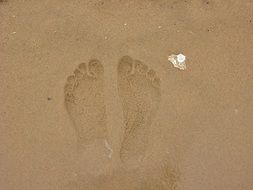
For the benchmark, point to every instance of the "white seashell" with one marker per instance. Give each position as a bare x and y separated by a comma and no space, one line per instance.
178,61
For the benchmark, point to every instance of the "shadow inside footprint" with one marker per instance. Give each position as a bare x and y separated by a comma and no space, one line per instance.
140,94
84,102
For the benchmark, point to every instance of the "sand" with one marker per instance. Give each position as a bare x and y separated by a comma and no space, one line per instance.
89,100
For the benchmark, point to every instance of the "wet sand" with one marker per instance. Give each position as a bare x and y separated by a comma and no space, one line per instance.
89,99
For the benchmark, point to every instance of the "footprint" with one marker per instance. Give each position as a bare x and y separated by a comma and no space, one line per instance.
139,90
84,102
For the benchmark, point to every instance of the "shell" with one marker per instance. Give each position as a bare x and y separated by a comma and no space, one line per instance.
178,61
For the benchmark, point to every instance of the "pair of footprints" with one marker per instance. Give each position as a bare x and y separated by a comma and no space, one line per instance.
140,95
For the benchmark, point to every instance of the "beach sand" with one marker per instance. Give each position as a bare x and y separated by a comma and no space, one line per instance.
89,100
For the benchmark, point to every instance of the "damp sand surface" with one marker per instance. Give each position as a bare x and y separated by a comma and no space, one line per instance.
90,101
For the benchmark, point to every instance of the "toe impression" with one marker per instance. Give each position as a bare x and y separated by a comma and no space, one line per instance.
140,67
125,65
95,68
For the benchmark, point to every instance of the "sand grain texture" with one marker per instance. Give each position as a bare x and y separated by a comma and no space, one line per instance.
73,117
